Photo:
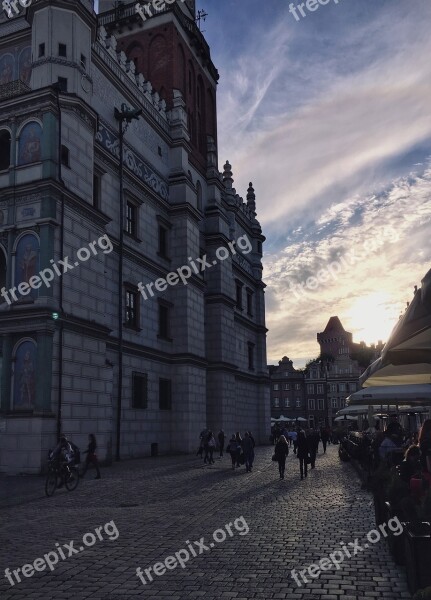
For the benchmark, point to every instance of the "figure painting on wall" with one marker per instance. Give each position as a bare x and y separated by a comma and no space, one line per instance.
24,376
27,260
30,144
25,65
6,68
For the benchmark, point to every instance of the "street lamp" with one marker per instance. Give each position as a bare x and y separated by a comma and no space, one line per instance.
124,117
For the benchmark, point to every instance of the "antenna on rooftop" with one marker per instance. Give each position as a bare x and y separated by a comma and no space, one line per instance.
202,16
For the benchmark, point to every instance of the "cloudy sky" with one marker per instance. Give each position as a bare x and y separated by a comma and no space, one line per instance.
330,117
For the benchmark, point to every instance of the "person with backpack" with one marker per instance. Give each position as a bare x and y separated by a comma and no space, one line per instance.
91,456
281,452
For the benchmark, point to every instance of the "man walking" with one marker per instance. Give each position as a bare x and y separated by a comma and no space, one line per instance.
221,438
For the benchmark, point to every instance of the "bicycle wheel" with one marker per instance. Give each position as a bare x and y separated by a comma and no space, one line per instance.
72,478
51,483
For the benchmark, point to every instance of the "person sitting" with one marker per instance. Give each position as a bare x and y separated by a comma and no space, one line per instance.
425,445
411,464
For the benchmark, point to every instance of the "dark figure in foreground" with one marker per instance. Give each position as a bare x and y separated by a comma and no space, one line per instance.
232,449
281,452
302,453
425,445
411,464
221,437
247,448
91,457
324,436
313,446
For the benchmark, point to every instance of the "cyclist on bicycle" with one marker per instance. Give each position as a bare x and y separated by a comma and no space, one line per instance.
63,456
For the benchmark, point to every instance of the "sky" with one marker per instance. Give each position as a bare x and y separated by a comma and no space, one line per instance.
330,117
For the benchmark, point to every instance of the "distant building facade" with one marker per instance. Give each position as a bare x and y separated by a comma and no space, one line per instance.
192,355
327,381
287,390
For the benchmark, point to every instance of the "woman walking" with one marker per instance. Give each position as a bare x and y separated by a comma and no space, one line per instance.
91,456
238,439
281,452
232,449
302,453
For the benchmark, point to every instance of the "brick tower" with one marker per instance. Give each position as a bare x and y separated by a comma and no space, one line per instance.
169,49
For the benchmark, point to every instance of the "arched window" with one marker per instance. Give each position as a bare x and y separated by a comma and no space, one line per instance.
4,149
30,144
3,271
24,375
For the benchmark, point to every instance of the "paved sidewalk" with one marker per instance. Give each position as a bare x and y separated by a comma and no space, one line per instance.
160,504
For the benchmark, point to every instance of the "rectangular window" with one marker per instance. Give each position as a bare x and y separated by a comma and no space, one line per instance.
320,388
131,218
164,321
321,404
62,82
163,241
275,387
139,390
132,308
65,156
250,304
250,356
239,295
276,403
298,402
165,394
342,387
62,50
286,387
311,404
310,388
41,50
334,403
286,403
353,387
297,386
333,387
97,187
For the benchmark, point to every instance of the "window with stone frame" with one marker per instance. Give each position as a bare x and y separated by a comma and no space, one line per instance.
165,394
139,390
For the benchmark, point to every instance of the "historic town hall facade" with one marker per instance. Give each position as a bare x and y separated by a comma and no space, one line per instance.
83,348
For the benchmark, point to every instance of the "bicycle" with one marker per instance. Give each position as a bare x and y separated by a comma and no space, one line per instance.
59,473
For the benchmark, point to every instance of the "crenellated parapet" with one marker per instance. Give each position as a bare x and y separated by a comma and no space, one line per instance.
248,209
109,44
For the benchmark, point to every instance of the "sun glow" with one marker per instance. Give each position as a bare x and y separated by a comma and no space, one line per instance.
371,318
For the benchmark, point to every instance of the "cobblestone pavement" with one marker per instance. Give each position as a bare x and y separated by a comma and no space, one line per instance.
159,504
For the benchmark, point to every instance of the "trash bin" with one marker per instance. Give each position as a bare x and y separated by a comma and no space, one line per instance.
154,449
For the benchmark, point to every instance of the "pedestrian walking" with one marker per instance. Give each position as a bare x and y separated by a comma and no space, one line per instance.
302,453
221,438
232,449
294,437
281,452
247,448
313,446
324,435
91,457
211,447
238,439
254,445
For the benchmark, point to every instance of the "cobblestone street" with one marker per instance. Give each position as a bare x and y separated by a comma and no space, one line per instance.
158,504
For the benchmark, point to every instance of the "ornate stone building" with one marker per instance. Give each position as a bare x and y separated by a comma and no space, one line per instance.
84,350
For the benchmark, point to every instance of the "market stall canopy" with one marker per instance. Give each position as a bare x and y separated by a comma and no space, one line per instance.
345,418
392,394
301,419
406,358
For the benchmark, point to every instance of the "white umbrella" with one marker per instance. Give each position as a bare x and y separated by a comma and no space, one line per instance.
283,418
392,394
301,419
379,374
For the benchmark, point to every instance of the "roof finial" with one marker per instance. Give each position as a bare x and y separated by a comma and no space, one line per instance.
227,175
251,198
